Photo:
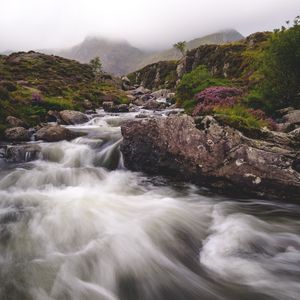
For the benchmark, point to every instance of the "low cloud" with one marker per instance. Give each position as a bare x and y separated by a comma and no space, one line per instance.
36,24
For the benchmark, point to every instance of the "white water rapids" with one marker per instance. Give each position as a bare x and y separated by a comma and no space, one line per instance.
76,225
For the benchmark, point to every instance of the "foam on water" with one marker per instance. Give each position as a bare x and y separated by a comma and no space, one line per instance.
76,225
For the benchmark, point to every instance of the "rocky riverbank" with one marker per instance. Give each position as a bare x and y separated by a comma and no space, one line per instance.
215,155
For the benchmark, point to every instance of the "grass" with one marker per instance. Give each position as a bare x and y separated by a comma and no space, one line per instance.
239,117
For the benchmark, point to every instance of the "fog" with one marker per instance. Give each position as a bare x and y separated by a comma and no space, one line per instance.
36,24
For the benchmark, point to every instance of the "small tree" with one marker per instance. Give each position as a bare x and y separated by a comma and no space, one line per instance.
181,47
96,65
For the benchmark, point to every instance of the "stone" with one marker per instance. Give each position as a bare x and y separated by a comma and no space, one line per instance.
292,117
213,155
163,93
55,133
109,106
53,116
153,105
15,122
17,134
22,153
72,117
87,104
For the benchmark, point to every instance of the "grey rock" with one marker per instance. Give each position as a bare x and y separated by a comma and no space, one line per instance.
55,133
15,122
17,134
214,155
293,117
22,153
72,117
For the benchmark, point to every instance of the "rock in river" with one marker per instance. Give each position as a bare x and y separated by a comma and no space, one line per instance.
54,133
72,117
214,155
17,134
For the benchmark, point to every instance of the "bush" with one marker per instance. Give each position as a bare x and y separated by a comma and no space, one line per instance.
281,67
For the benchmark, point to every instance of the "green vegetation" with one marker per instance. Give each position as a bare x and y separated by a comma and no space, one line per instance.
281,67
265,66
31,84
193,83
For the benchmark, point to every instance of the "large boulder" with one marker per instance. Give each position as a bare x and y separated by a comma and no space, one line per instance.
211,154
72,117
17,134
54,133
15,122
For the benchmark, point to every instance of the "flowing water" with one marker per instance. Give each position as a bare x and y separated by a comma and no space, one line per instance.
75,224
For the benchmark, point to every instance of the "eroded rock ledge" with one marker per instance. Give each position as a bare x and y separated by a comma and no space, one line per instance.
214,155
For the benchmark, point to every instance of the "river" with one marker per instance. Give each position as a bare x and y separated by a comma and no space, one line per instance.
76,225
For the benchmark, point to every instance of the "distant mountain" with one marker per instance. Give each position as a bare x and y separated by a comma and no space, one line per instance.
119,57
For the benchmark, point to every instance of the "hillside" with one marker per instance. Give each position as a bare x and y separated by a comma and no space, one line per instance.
119,57
32,83
228,60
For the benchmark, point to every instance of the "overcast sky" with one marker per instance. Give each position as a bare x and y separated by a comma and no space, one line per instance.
36,24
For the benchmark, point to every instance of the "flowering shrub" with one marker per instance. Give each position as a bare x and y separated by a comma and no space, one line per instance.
211,97
225,102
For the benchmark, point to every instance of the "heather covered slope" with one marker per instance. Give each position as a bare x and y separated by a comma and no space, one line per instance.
33,83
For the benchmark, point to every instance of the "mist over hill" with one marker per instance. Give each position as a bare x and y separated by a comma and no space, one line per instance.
120,57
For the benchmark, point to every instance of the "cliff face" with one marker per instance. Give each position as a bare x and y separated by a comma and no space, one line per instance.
229,61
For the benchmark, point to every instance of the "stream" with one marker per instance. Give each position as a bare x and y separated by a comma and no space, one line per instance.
77,225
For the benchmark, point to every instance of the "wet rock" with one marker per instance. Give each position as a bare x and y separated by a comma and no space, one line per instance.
292,117
55,133
22,153
90,112
72,117
210,154
17,134
15,122
109,106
